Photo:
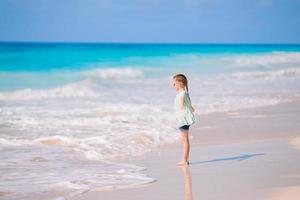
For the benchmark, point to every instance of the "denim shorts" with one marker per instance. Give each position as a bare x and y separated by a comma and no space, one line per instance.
184,128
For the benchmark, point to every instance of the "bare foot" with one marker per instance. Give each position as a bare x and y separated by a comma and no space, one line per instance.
183,163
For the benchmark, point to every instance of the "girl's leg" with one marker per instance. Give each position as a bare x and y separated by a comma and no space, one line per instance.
186,148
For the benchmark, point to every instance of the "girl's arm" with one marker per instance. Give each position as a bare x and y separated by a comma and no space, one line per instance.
192,109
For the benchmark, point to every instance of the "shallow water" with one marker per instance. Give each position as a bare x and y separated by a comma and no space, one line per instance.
66,110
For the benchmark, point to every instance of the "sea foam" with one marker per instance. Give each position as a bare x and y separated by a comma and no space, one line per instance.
269,60
81,125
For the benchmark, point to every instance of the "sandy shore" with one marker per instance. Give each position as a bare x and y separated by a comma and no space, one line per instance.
249,154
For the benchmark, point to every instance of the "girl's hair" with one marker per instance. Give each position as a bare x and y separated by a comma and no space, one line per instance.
182,79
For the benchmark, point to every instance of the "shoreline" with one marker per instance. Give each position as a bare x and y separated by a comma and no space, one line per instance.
255,139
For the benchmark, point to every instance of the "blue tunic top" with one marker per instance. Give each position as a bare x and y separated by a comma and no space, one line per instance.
184,116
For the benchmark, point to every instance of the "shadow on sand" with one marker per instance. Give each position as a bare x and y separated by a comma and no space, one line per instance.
237,158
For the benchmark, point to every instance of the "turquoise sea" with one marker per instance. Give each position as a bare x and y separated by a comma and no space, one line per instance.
68,110
37,60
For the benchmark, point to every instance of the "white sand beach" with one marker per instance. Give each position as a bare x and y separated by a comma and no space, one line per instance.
248,154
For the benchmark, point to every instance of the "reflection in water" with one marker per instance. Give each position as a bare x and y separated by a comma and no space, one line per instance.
188,194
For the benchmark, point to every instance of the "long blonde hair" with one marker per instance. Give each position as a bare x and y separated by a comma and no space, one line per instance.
182,79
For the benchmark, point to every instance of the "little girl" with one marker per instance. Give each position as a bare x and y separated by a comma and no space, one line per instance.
184,112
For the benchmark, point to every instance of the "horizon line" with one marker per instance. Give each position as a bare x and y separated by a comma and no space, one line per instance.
166,43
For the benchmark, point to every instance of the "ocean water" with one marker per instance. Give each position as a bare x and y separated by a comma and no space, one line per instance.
68,111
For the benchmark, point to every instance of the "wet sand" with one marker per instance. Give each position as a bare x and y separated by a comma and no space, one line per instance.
249,154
